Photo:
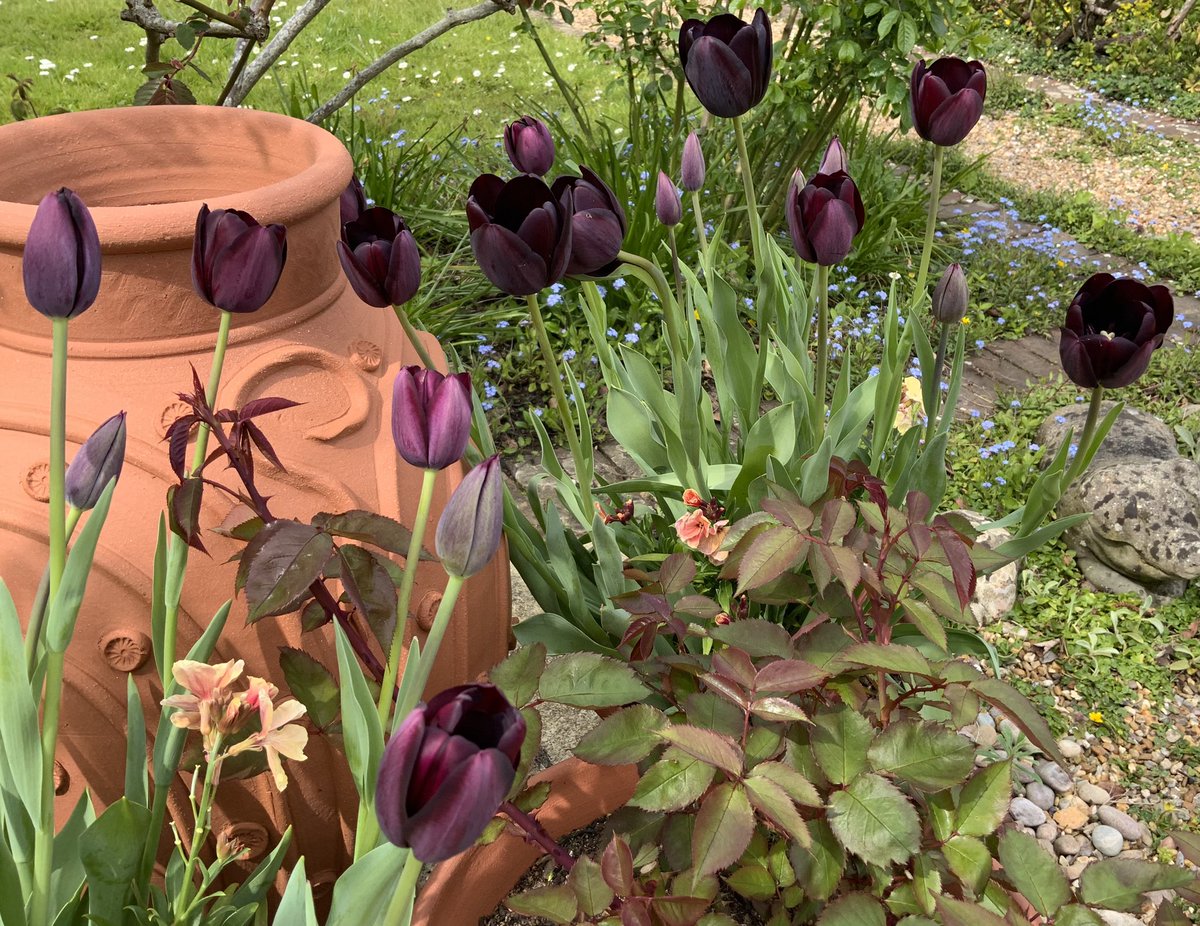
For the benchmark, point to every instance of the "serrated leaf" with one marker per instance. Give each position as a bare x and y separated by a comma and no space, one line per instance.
717,750
1119,883
984,800
629,735
818,866
894,657
875,821
839,740
960,913
771,554
788,676
371,590
518,676
676,572
590,680
1033,871
969,860
679,911
616,866
558,904
921,616
777,709
927,755
799,788
757,638
772,802
854,910
752,881
284,560
724,825
1188,844
1017,708
587,882
369,527
311,684
672,783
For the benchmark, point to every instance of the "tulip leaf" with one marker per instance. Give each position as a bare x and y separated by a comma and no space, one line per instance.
64,610
928,756
370,588
110,851
312,685
296,907
362,734
724,825
590,680
12,897
136,772
873,819
254,889
368,527
284,560
1033,871
20,739
1119,883
368,884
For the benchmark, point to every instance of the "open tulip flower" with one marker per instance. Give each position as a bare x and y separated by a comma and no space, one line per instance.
447,770
61,263
1113,326
520,232
946,99
597,227
823,216
236,262
727,62
380,258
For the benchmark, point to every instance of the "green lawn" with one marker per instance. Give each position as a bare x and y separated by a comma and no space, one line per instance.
80,55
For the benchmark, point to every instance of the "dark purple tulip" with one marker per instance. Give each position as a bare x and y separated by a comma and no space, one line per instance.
61,264
666,201
353,201
98,462
1113,326
727,62
431,416
468,532
447,770
946,99
520,232
380,258
598,226
692,166
823,217
529,146
950,296
835,158
236,263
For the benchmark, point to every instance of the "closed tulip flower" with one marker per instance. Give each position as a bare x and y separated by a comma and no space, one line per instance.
950,296
835,158
597,226
61,263
236,263
529,146
431,416
1113,326
946,99
97,463
727,62
823,217
380,258
666,201
353,201
447,770
692,164
520,232
468,532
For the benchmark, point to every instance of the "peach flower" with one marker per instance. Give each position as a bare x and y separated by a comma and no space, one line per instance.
698,532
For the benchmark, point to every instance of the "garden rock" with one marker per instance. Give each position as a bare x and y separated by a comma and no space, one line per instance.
1040,795
1144,499
1107,841
1070,749
1068,844
1094,794
1026,812
1052,775
1124,824
1114,918
995,593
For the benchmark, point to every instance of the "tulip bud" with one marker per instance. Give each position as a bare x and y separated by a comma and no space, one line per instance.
468,532
945,99
61,264
824,216
529,146
447,770
835,158
236,263
353,201
380,258
692,167
666,201
98,462
431,416
950,297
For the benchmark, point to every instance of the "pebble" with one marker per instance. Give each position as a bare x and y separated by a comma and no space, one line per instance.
1093,794
1052,774
1107,840
1124,824
1026,812
1070,749
1047,831
1072,816
1040,795
1113,918
1068,844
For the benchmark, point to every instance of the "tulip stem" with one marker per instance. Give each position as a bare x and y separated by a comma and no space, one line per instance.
560,398
748,182
58,456
663,289
433,642
536,833
700,233
822,380
939,365
387,689
675,266
1089,428
935,200
178,552
399,911
414,336
43,851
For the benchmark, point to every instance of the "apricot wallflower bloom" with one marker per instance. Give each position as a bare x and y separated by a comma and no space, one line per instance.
912,407
698,532
277,735
209,705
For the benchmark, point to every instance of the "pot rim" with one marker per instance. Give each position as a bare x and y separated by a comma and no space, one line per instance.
314,164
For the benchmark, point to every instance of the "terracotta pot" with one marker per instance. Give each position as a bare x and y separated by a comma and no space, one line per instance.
468,887
144,172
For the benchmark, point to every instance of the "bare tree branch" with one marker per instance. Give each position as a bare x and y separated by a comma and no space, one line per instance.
1176,26
452,19
271,51
145,14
